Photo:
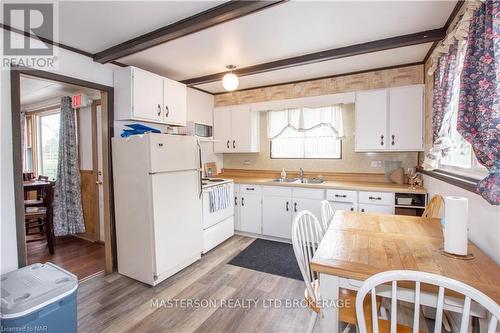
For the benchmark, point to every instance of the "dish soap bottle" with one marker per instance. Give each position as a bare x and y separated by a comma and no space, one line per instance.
283,174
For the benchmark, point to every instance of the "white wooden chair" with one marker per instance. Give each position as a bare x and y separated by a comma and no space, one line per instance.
392,277
306,236
326,214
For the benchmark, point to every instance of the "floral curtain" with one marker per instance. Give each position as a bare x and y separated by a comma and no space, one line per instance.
68,213
444,77
305,119
479,108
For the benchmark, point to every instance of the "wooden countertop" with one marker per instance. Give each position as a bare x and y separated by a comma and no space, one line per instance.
330,184
358,245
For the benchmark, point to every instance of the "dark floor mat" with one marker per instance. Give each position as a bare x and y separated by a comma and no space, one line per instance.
269,257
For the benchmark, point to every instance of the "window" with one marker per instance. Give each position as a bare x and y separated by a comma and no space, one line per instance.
48,132
306,133
460,158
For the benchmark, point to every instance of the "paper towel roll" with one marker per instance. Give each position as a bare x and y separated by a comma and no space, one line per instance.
455,226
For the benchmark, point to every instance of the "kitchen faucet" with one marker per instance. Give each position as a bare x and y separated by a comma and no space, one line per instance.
301,175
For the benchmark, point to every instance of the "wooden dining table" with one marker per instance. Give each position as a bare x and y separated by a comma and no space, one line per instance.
359,245
35,185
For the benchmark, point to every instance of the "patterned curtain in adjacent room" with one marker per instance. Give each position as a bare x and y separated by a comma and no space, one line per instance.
479,108
68,213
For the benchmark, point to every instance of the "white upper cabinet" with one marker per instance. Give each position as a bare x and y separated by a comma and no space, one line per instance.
174,102
222,130
406,118
390,119
144,96
236,129
371,120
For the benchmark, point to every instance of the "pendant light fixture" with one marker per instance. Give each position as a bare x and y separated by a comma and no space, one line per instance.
230,80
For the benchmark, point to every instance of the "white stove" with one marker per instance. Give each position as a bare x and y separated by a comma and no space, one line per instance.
218,211
210,182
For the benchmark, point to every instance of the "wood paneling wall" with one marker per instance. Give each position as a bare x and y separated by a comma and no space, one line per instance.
394,77
88,189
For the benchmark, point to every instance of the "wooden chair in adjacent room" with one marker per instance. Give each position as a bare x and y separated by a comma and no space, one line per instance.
306,236
39,219
433,208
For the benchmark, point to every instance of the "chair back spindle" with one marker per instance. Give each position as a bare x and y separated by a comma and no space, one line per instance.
327,213
306,236
443,283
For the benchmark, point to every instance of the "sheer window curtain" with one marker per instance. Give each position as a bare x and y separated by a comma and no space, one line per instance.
306,132
305,119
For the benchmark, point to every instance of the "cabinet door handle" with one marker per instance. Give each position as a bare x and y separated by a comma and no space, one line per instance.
363,210
227,144
375,198
234,144
287,206
393,137
382,140
236,201
295,207
352,209
159,110
250,189
167,111
243,201
340,196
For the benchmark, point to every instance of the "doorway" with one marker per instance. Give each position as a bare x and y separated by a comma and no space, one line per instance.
35,124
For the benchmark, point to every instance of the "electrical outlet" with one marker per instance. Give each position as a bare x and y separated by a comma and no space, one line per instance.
247,162
376,164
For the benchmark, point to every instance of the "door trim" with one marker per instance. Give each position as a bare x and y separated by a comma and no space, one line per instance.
107,98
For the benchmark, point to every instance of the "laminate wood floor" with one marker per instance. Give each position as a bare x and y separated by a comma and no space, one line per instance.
81,257
115,303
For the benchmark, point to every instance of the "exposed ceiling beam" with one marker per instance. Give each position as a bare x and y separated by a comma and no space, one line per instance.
341,52
225,12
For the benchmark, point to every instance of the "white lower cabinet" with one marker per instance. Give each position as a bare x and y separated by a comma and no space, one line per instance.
250,213
312,205
237,224
349,206
371,208
277,211
376,202
277,216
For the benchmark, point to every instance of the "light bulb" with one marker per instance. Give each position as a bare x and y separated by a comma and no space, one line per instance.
230,81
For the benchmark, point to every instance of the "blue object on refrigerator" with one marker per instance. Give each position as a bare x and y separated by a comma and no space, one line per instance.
138,129
39,298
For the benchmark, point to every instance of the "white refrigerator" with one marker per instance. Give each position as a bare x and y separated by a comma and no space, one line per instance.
157,186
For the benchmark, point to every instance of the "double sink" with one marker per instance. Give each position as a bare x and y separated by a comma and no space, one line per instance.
299,180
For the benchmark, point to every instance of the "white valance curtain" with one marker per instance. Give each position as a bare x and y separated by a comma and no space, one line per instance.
305,119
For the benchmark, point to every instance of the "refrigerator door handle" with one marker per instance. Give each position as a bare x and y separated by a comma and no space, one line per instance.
200,170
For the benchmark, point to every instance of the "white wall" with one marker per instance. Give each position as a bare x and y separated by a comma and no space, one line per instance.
484,219
70,64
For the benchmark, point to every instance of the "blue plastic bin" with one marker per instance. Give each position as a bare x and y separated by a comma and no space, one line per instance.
39,298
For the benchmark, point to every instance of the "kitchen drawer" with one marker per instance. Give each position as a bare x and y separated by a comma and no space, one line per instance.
252,189
341,195
377,198
372,208
279,191
308,193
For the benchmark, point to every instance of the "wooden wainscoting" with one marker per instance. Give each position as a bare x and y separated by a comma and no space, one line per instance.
88,189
